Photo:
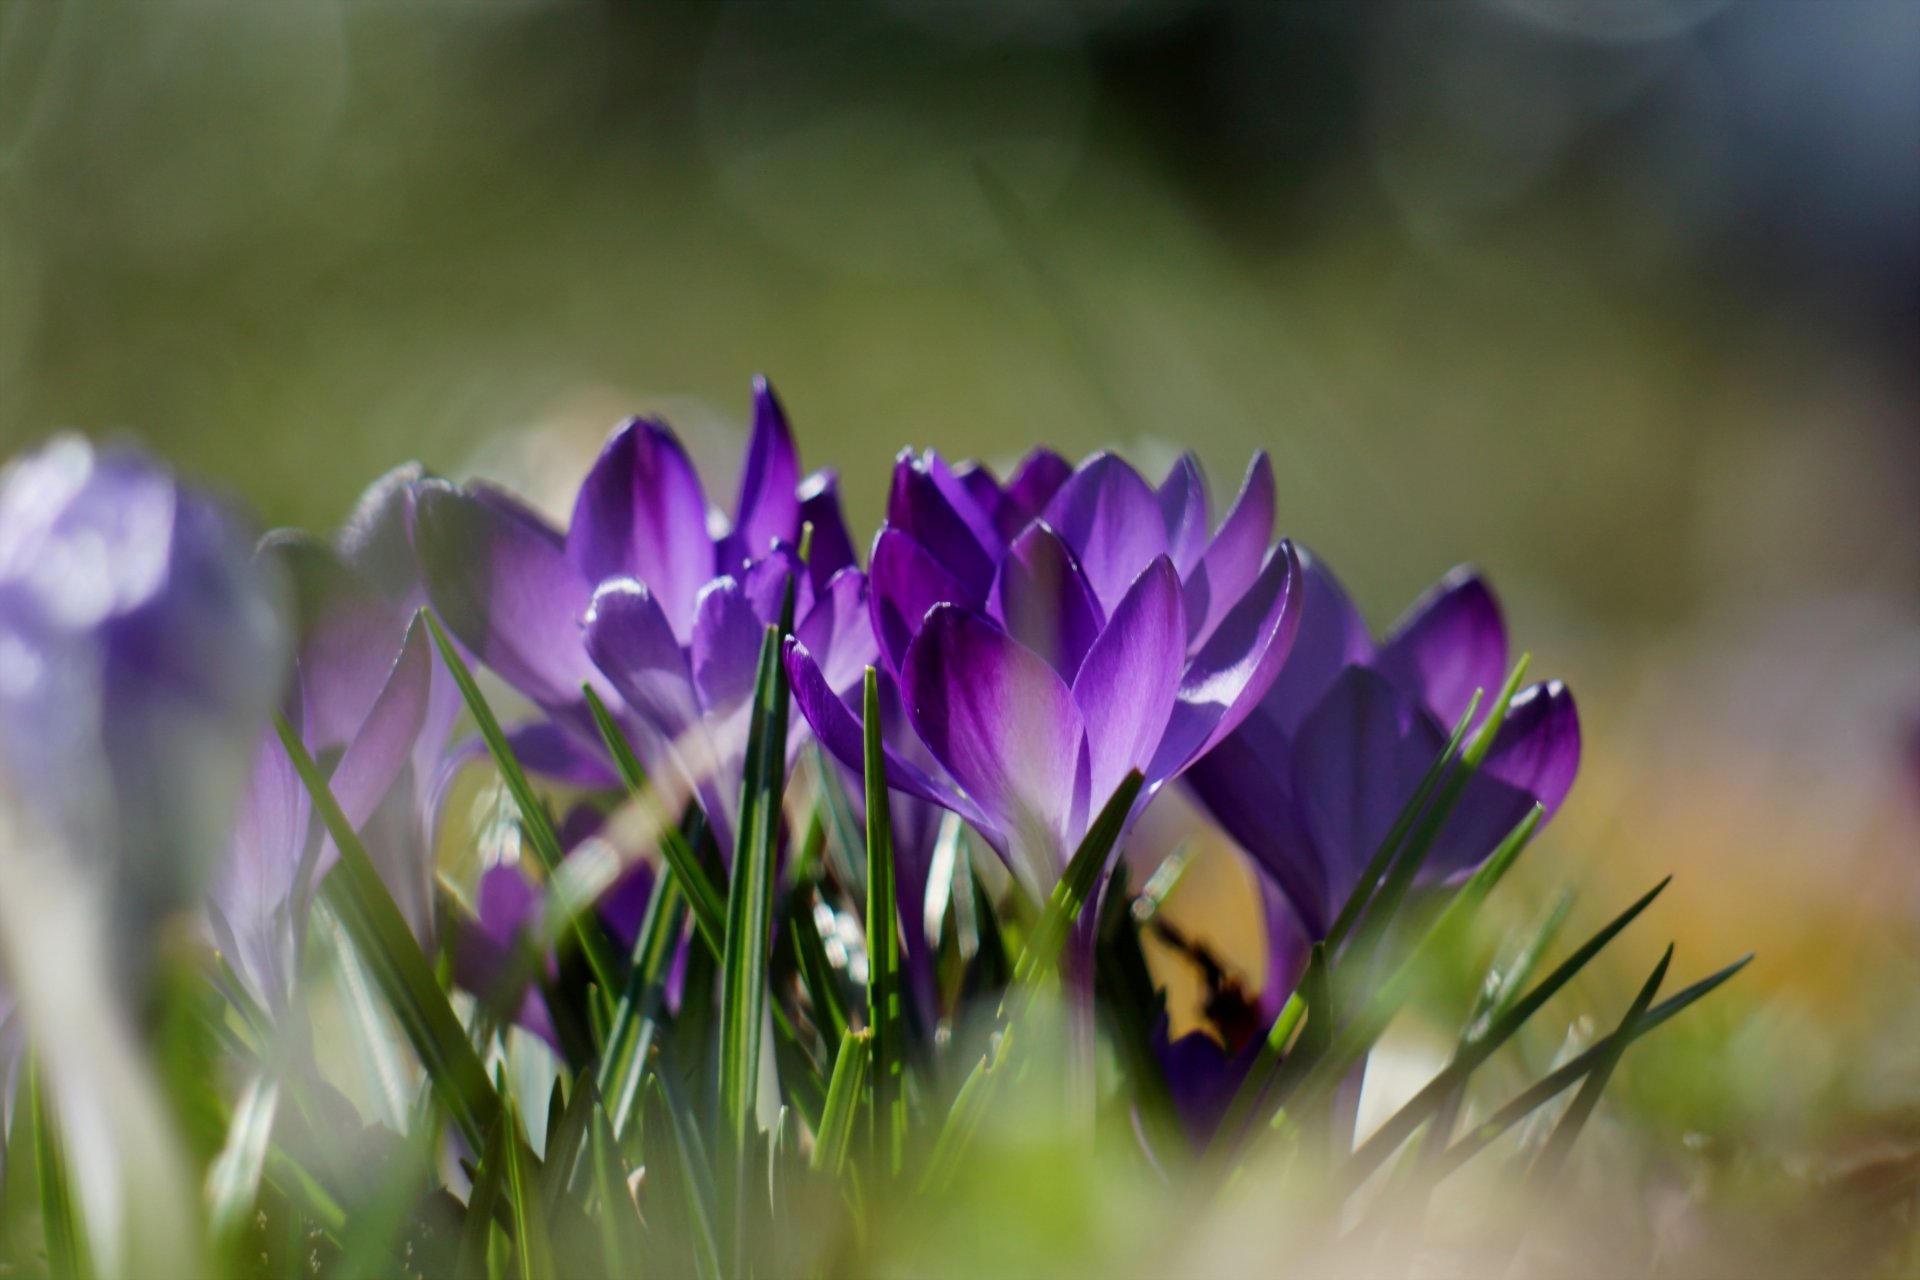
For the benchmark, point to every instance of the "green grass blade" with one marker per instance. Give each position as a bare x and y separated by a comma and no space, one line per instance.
360,899
532,1245
965,1115
1468,1058
476,1233
743,969
1076,885
884,1003
615,1214
1563,1077
636,1018
816,971
233,1180
1553,1156
844,1098
59,1223
707,900
566,1139
534,819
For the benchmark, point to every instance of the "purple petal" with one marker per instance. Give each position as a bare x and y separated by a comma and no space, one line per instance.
252,894
832,548
1538,749
1111,519
839,630
982,486
501,581
1126,688
1451,643
1005,726
377,539
727,633
929,504
1245,782
1042,598
837,726
642,513
768,507
1030,488
1287,945
1236,667
347,634
904,582
384,742
1357,760
634,646
550,751
1233,559
1183,508
765,584
1332,637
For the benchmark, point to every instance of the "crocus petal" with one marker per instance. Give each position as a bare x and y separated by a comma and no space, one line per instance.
630,639
1111,519
347,634
1232,560
642,513
1538,748
1357,761
1449,644
547,750
1005,726
727,635
1246,783
1125,689
1031,487
904,582
768,507
838,629
384,743
1332,637
1236,666
501,581
837,726
984,488
929,504
1287,946
1183,508
251,897
1043,600
377,538
766,580
832,548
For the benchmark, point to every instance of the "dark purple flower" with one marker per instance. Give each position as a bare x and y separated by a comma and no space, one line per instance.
650,595
1046,636
373,704
141,646
1313,780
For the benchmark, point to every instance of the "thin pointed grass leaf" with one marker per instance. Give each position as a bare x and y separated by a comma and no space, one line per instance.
815,969
636,1018
844,1102
1406,867
532,1244
884,982
476,1232
1076,885
674,1146
534,818
1442,937
707,900
1396,834
807,863
1468,1058
359,897
1262,1076
617,1216
233,1180
59,1222
743,969
566,1138
964,1116
1553,1156
1563,1077
379,1054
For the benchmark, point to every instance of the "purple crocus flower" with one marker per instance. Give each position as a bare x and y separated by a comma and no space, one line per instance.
650,596
140,647
1311,783
371,701
1045,637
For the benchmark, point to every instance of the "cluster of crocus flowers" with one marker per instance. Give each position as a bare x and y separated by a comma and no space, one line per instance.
1033,643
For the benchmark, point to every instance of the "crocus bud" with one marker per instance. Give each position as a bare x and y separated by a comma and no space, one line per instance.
142,647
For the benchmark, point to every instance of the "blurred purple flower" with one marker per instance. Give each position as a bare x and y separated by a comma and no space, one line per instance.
1044,637
141,645
372,703
1311,783
650,596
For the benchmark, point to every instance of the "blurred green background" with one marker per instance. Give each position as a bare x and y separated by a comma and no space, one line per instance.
1620,300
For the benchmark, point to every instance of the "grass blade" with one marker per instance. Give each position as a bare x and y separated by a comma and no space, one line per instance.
359,898
636,1018
844,1097
476,1234
1075,887
233,1180
532,1245
59,1225
1547,1165
815,969
534,819
1468,1058
884,1004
